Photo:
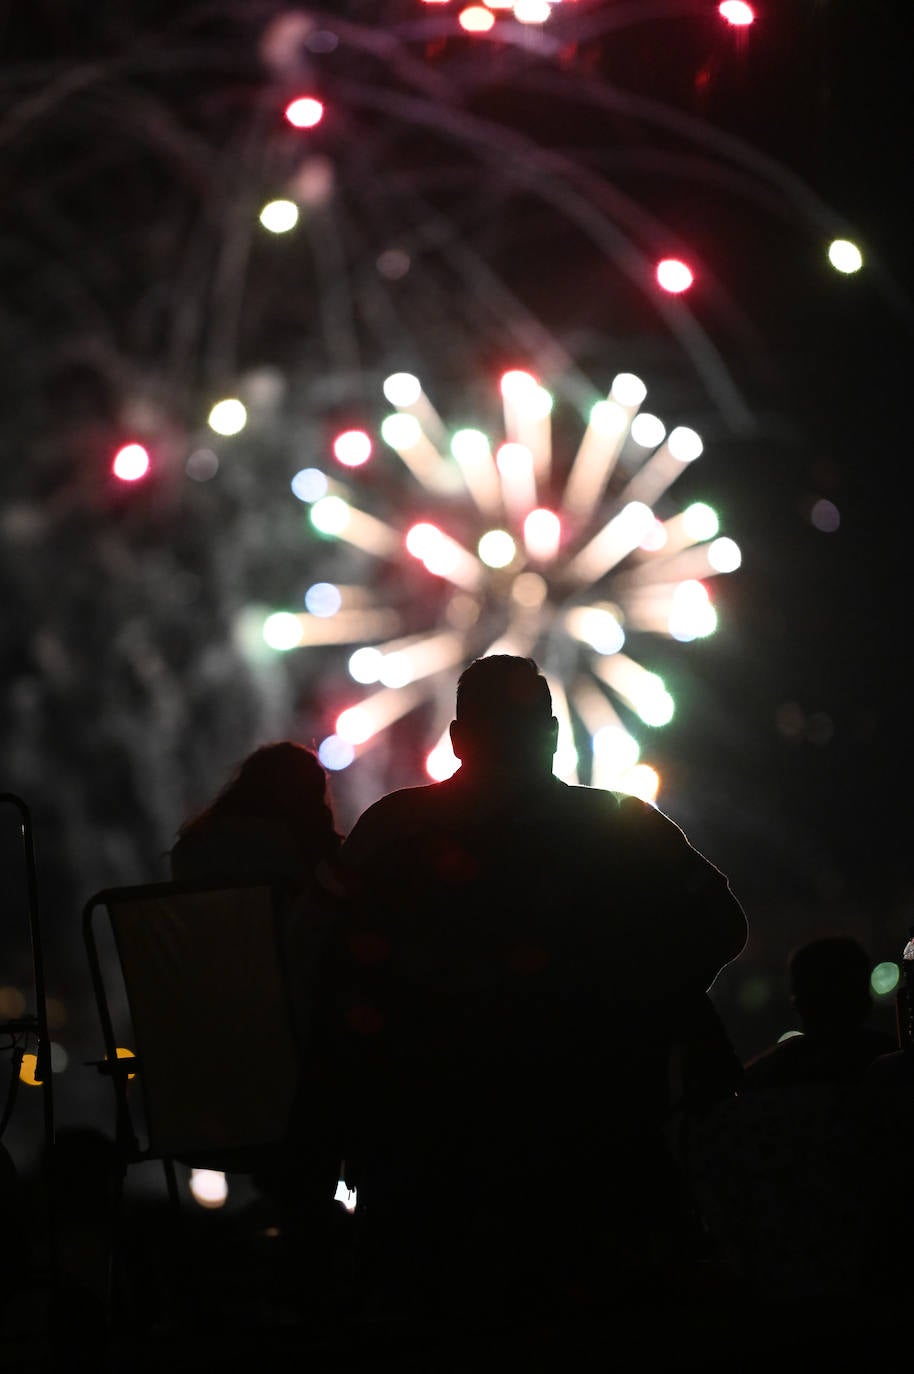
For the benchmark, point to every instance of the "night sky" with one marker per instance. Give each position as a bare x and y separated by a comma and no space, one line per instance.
136,146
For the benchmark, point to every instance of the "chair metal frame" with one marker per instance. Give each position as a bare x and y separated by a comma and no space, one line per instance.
32,1023
129,1150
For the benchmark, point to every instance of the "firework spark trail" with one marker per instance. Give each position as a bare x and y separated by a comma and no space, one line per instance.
566,585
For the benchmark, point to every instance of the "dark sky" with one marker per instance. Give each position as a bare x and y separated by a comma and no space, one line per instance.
788,761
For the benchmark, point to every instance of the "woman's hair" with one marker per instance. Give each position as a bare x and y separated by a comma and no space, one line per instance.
284,782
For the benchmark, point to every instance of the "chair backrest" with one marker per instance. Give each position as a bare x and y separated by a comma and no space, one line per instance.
207,995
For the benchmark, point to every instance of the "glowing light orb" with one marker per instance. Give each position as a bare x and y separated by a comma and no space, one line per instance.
335,753
441,762
470,445
845,256
396,670
401,431
532,11
282,631
736,12
628,390
304,112
608,418
497,549
228,417
330,515
309,485
885,978
542,534
648,430
402,389
476,19
208,1188
691,614
353,725
642,781
700,521
724,555
517,385
365,665
674,275
279,216
422,539
352,448
130,463
684,444
323,599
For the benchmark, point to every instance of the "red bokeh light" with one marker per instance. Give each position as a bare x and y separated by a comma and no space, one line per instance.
130,463
736,12
476,19
674,275
352,448
304,112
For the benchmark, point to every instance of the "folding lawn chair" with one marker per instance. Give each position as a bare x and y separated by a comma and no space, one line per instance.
204,1008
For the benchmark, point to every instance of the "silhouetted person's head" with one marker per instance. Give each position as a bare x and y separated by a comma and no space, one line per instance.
830,983
283,782
504,717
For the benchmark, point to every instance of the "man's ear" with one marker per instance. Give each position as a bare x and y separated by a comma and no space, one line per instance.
554,733
456,734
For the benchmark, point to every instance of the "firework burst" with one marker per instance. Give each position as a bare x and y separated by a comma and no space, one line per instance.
477,547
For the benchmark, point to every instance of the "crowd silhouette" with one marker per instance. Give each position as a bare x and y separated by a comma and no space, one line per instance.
511,1057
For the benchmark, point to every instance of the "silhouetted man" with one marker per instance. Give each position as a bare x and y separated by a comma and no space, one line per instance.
830,988
519,960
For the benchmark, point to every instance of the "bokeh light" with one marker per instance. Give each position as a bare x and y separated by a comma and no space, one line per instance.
497,549
279,216
542,533
304,112
130,463
845,256
335,753
674,275
402,389
627,389
825,516
476,19
700,521
885,978
648,430
330,515
282,631
228,417
323,599
736,12
724,555
684,444
352,448
401,431
208,1187
309,485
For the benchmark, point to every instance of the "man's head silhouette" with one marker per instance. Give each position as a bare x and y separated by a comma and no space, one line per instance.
504,717
830,983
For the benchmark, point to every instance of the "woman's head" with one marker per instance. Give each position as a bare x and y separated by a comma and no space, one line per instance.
283,781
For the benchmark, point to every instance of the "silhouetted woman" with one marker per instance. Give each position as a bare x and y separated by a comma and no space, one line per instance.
271,819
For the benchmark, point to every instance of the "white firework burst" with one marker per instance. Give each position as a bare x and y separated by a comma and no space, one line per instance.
505,548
